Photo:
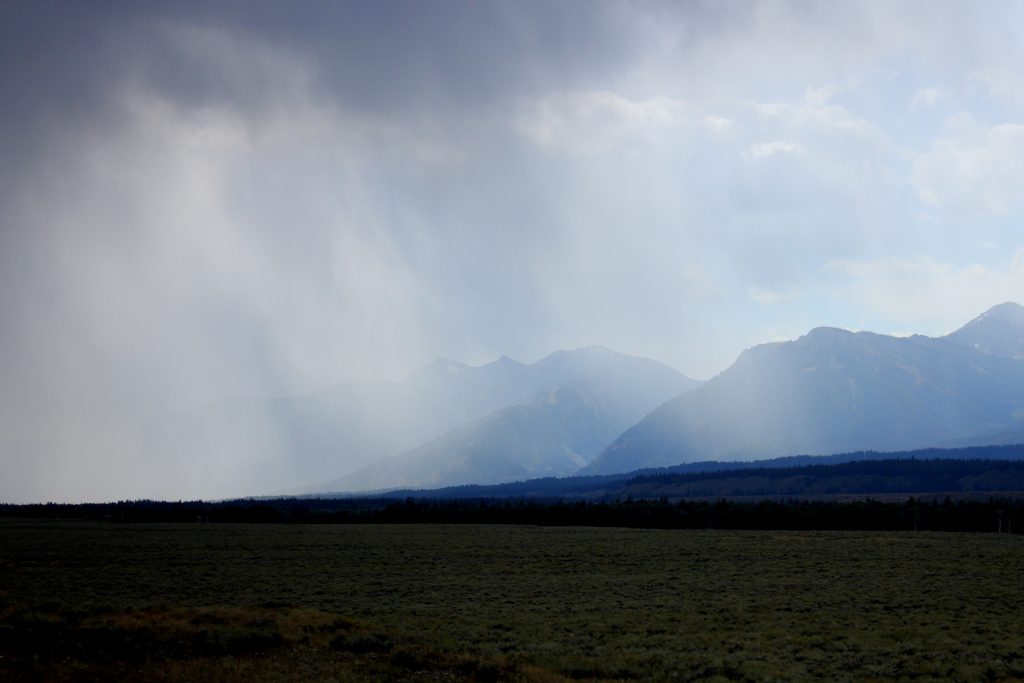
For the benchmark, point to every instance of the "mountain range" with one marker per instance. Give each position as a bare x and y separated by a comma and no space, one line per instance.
593,411
833,390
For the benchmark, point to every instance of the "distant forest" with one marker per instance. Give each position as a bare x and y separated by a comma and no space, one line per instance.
891,494
992,515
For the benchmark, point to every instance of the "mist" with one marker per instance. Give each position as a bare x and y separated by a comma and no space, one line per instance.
211,202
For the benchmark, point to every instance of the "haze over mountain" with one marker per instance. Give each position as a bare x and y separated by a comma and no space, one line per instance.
553,436
579,401
832,391
325,434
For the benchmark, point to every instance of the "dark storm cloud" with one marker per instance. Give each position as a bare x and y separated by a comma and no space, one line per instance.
63,59
394,55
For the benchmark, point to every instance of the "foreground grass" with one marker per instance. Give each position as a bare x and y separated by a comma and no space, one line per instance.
176,602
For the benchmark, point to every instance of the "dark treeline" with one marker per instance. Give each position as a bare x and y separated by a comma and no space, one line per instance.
992,515
906,476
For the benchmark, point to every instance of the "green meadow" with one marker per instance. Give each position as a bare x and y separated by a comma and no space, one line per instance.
88,600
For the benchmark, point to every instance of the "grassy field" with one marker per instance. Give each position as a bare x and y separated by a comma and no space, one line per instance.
174,602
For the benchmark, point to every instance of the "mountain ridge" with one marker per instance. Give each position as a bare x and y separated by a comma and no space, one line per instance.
835,390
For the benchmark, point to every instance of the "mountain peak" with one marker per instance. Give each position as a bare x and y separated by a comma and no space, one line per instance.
1008,310
502,367
999,331
828,332
584,351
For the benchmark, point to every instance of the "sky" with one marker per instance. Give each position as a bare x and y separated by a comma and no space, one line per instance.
201,200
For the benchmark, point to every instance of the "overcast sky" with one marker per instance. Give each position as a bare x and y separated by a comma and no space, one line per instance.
202,200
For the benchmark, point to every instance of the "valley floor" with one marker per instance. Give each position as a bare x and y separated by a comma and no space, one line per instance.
84,600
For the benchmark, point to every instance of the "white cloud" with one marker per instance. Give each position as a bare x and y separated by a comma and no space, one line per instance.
974,169
717,123
818,96
817,117
595,121
926,98
1002,81
763,150
767,296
